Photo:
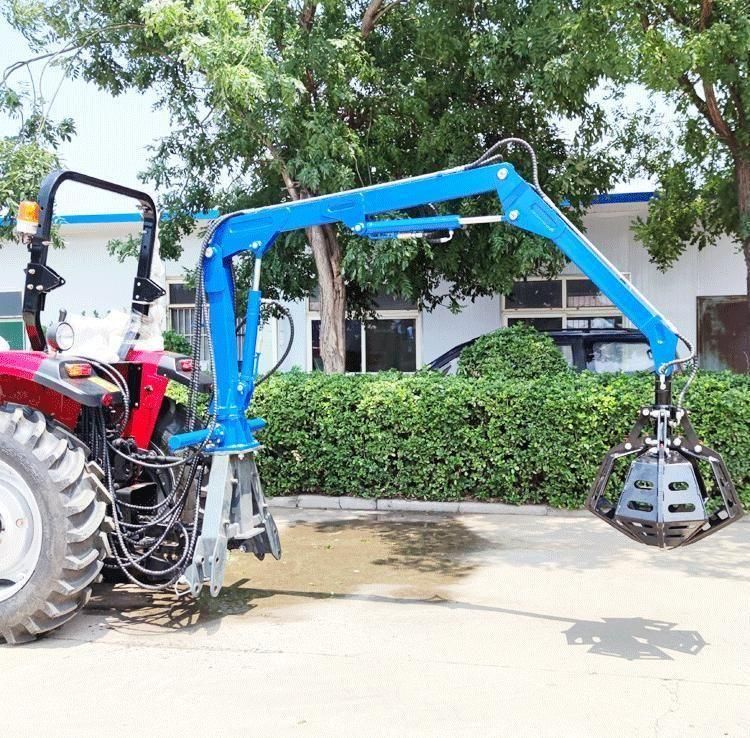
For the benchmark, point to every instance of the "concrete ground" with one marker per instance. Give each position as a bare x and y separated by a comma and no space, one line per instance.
380,624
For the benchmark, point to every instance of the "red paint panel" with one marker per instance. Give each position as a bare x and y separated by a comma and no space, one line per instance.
17,385
143,418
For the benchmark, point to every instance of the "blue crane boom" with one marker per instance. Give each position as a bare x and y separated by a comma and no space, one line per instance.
255,231
662,503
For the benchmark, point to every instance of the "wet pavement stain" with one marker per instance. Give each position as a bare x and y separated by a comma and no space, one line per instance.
414,559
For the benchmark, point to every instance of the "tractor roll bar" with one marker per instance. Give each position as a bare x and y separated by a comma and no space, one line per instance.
41,279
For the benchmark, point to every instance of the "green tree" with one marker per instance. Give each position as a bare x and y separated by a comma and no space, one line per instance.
287,99
28,155
693,54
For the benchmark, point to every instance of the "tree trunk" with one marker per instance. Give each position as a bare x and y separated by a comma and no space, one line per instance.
742,174
327,254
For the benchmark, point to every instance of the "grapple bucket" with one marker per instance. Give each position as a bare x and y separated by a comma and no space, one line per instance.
665,501
662,503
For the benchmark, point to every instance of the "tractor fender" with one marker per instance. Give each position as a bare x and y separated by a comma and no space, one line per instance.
176,367
37,380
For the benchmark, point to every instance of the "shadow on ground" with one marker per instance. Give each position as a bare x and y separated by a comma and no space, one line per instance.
585,544
415,560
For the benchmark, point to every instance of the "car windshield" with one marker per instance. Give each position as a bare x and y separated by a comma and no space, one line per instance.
614,356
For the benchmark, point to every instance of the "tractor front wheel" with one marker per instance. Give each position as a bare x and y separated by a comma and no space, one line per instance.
52,506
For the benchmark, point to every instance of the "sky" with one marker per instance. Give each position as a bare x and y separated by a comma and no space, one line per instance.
113,134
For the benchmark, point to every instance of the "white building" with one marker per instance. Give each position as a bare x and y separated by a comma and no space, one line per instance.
702,295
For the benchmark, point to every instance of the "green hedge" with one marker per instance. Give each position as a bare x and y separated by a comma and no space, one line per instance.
518,352
176,342
427,436
445,438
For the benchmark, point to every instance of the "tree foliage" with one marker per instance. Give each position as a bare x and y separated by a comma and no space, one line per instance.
27,156
287,99
693,56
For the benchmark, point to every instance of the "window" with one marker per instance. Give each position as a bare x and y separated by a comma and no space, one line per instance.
613,321
381,302
556,304
374,345
11,323
535,294
353,346
391,344
619,357
182,310
390,340
541,324
583,293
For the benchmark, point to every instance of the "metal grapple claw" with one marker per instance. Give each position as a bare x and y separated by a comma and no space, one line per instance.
665,501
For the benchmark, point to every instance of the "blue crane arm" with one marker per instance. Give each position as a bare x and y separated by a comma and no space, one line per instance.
256,230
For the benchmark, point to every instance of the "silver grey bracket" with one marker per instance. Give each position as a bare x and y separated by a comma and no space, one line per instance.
235,515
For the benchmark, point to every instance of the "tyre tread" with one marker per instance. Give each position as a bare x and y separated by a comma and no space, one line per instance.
84,502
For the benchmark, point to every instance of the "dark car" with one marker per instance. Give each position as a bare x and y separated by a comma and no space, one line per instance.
595,349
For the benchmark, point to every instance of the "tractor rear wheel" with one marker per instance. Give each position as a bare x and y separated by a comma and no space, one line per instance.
52,506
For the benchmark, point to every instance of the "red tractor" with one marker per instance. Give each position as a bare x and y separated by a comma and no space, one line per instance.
75,431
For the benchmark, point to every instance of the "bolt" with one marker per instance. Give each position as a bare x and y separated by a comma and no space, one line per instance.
698,448
240,387
628,446
39,288
358,227
209,252
513,214
20,523
677,441
645,411
30,287
255,245
502,173
32,271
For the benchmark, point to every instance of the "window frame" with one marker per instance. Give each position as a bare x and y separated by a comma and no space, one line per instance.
171,306
414,315
274,323
563,312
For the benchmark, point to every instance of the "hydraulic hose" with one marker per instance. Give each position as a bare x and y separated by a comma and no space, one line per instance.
282,359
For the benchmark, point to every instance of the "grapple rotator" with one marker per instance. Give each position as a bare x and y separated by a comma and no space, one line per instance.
665,501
